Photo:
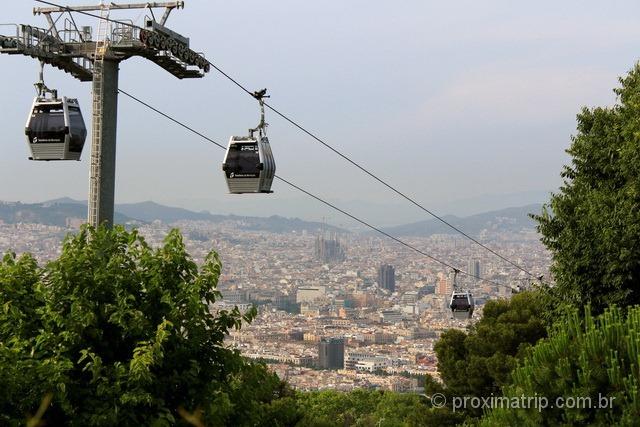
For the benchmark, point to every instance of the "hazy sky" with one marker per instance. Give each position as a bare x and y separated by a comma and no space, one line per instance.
446,100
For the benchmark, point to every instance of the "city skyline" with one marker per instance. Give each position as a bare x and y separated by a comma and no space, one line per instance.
301,299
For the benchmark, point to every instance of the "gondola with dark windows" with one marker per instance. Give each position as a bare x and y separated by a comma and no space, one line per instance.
461,302
249,166
55,128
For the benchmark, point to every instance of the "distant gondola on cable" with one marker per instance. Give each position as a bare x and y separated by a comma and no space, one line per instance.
249,166
461,305
461,302
55,128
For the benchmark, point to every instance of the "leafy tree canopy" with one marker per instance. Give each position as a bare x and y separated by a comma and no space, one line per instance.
592,225
478,363
369,408
590,363
122,334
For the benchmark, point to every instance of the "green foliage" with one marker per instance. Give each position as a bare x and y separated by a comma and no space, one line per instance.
592,226
478,363
368,408
122,334
595,358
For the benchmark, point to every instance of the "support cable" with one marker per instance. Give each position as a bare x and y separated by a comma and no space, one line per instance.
308,193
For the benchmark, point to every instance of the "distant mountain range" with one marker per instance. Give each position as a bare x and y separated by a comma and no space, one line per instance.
148,211
509,219
59,211
48,213
391,212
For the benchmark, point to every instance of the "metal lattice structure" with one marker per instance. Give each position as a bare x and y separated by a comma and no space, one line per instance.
76,51
98,113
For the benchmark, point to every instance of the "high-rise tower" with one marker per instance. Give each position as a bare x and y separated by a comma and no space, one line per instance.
331,353
473,268
387,277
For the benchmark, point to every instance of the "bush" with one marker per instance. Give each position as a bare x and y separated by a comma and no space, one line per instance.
478,363
594,358
122,334
369,408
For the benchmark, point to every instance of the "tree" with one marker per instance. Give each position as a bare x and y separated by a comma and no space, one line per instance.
369,408
22,377
122,334
478,363
592,226
591,364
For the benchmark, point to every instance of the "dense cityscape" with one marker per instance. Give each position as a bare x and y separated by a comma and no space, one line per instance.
335,309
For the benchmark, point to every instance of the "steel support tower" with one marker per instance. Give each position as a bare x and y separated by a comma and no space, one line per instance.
76,51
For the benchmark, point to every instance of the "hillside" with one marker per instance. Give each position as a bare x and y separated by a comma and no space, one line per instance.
510,219
57,211
48,213
151,211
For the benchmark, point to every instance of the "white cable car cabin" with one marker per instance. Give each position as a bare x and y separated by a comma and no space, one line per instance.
55,128
249,166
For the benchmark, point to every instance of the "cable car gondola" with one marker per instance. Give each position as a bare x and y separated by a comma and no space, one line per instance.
55,128
461,305
461,302
249,166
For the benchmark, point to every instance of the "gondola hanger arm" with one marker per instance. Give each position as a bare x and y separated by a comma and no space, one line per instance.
41,87
262,126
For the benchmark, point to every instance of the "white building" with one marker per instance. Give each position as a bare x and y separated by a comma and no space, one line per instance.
375,364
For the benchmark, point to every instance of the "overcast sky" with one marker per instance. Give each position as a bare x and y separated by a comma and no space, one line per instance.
446,100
